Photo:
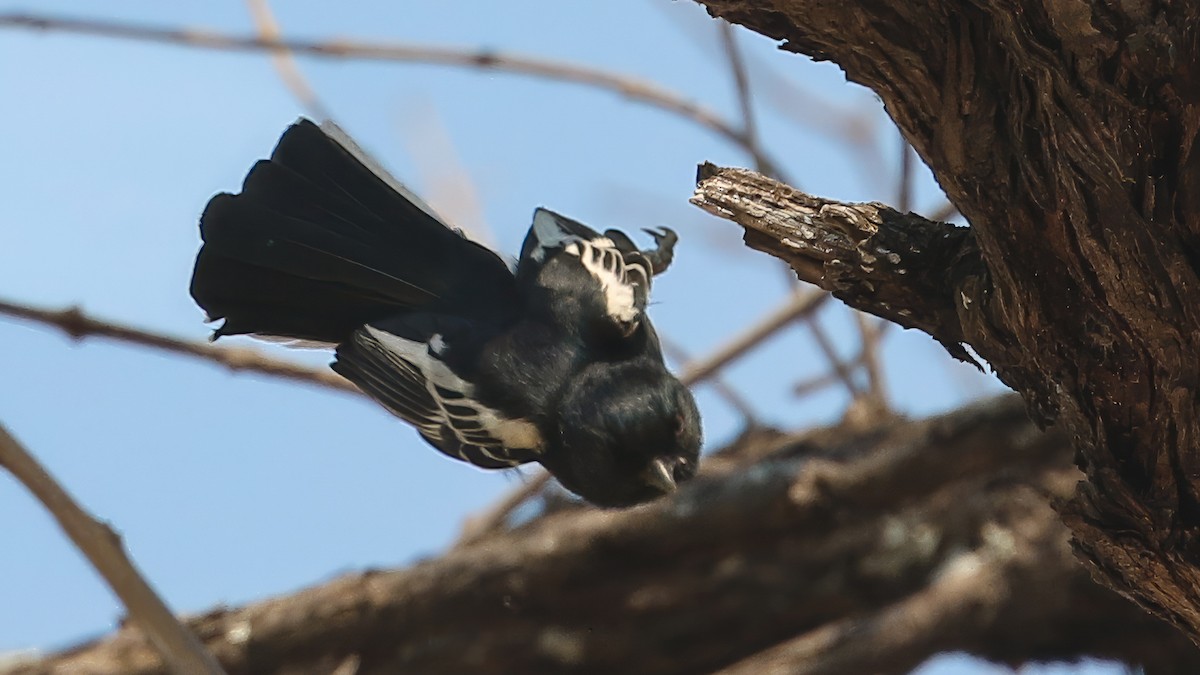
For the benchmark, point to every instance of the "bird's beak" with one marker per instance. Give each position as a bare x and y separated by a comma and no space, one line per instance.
659,475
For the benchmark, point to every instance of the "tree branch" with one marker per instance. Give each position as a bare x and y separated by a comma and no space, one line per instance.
779,538
102,547
1067,135
78,325
898,638
901,267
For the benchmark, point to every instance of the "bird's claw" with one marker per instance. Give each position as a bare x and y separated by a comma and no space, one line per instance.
663,253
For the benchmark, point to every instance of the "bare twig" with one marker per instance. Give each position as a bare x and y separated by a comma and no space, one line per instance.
75,323
904,179
839,368
719,385
815,384
741,83
285,64
635,90
867,359
496,516
801,304
803,108
944,212
102,546
871,333
448,184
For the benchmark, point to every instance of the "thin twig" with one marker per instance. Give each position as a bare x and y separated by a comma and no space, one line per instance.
719,385
496,516
448,184
801,304
178,646
839,368
803,108
904,180
75,323
741,83
868,350
813,385
285,63
944,212
635,90
871,333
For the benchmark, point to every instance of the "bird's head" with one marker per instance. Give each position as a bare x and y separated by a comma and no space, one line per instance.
629,433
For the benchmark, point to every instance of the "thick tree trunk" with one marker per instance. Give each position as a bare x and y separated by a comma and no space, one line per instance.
1065,132
839,552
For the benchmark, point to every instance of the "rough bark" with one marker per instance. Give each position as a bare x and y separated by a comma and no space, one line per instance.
1065,132
841,551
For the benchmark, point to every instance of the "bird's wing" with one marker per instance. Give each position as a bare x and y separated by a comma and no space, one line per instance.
408,376
616,271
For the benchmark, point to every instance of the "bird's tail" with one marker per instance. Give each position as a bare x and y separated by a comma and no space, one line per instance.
317,244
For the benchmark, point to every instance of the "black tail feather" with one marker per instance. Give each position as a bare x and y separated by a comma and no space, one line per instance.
316,244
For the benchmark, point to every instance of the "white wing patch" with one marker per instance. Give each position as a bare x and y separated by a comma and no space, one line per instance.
604,262
471,422
624,283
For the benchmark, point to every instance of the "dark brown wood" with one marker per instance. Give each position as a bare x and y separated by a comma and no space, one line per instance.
813,553
1065,132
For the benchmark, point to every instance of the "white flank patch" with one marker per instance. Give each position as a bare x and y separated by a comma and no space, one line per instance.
512,434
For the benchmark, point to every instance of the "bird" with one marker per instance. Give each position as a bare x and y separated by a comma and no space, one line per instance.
552,360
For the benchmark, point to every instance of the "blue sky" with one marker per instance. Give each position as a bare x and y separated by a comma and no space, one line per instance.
229,488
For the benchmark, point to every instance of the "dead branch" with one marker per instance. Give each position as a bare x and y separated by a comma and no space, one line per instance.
902,267
102,547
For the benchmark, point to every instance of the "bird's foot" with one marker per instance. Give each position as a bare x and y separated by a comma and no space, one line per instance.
663,253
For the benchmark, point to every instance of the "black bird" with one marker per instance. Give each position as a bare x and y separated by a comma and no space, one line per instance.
554,363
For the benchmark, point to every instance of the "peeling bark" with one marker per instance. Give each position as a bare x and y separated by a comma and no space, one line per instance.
840,551
900,267
1064,131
